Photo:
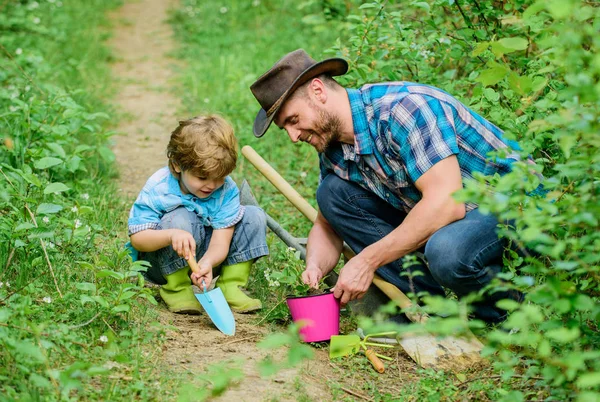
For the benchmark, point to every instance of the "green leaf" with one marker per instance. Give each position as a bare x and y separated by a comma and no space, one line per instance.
121,308
55,188
368,5
128,295
514,43
86,286
47,209
57,149
106,154
24,226
589,380
492,76
564,335
47,162
491,95
480,48
31,351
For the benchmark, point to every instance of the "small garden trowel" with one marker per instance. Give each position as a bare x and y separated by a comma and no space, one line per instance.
215,305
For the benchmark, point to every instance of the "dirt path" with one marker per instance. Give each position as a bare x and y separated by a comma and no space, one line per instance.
141,41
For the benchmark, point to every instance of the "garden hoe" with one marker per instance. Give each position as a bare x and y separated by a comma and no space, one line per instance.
215,305
447,353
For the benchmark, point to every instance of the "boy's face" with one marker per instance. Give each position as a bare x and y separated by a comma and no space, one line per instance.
201,187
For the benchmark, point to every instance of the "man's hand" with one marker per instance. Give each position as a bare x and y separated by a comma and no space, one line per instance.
183,243
204,274
311,276
354,280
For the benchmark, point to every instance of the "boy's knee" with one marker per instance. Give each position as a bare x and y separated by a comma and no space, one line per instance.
255,218
179,218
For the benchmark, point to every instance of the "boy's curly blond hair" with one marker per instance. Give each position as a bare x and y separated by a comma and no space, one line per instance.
204,145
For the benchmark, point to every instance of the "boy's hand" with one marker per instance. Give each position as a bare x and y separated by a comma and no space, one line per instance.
204,273
183,243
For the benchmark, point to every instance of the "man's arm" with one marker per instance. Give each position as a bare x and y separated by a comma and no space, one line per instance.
322,251
435,210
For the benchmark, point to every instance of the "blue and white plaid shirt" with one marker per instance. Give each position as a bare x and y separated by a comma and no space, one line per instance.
401,130
162,194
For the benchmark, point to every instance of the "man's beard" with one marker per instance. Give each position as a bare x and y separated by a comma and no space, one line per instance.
328,129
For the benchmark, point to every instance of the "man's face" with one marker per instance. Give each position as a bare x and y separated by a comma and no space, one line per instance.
307,121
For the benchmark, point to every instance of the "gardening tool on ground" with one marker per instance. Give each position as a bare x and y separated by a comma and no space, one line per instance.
346,345
215,305
446,353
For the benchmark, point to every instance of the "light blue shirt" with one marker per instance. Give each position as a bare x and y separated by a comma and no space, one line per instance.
161,194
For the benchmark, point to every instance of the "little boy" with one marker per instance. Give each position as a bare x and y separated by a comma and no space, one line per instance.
191,209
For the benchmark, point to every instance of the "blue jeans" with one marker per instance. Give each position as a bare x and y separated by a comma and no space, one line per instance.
463,256
249,241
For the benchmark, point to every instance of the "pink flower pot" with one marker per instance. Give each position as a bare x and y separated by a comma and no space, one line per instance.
319,315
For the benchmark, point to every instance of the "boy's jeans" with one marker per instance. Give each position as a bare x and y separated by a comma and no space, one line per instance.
248,243
463,256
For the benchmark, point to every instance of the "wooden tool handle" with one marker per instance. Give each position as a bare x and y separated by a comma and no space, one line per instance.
375,361
307,210
280,183
193,264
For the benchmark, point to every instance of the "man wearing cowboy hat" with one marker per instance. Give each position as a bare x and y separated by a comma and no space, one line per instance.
391,156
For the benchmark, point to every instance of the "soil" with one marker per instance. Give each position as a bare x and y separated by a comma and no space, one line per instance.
141,42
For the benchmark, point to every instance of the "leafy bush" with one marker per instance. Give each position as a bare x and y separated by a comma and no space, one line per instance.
68,291
532,68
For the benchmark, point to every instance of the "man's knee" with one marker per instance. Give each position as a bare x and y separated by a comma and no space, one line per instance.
330,194
179,218
447,260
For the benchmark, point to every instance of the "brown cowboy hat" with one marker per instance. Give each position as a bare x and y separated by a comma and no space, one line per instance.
276,85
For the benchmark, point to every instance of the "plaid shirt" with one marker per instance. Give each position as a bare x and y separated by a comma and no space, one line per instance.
162,194
401,130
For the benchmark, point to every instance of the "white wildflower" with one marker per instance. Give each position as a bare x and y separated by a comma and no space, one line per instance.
33,5
59,4
206,100
36,20
85,196
47,299
45,219
13,108
7,284
51,1
223,10
1,284
19,51
103,339
256,3
74,209
27,88
443,39
303,174
77,223
51,245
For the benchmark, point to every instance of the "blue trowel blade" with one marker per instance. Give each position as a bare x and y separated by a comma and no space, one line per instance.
218,310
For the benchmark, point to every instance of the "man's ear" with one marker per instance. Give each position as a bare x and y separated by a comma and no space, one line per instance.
318,90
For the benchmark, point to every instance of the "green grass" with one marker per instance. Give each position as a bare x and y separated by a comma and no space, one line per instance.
75,321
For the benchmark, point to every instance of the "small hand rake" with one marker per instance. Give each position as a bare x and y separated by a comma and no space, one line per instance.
347,345
447,353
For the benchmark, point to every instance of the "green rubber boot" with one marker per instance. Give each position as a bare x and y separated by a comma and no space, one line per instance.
178,293
231,278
